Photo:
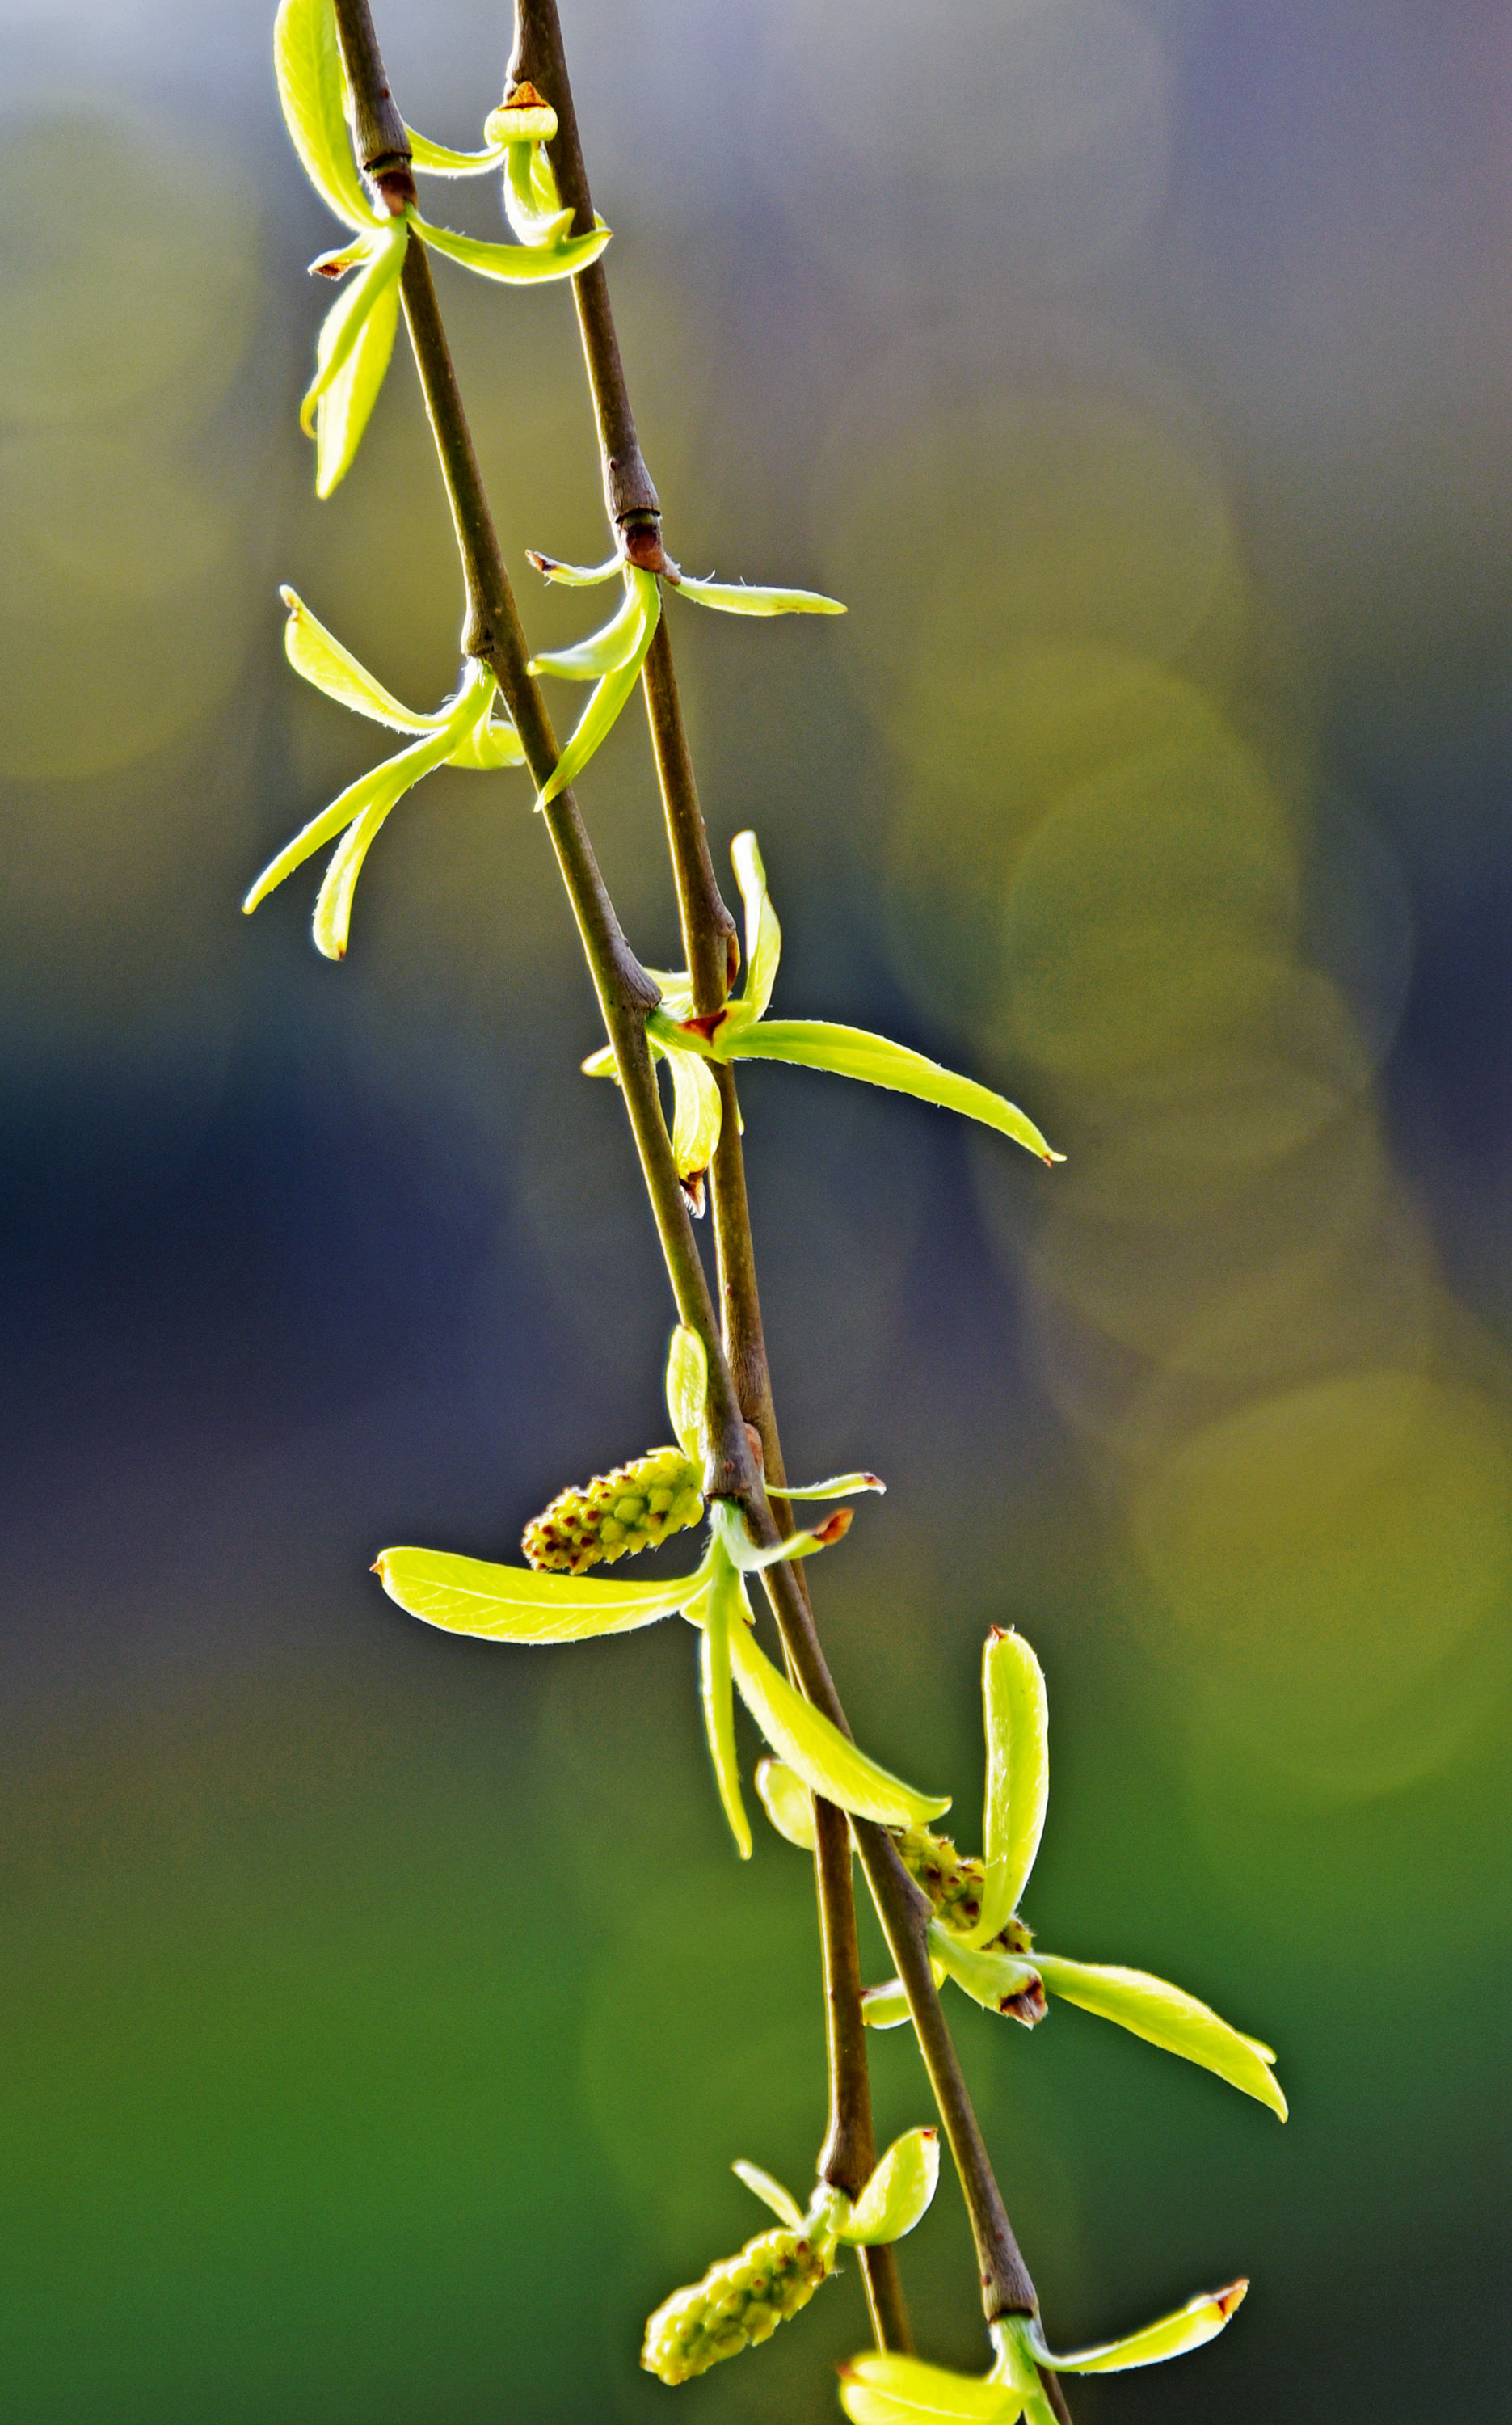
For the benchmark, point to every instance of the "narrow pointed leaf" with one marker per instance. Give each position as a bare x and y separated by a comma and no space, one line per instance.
696,1115
1016,1721
687,1393
1169,2017
783,2204
493,747
899,2192
736,597
876,2390
603,710
839,1485
722,1609
886,2007
343,323
439,160
533,204
601,1064
383,784
1202,2320
604,651
516,1603
518,265
309,67
763,936
742,1552
788,1802
851,1053
574,576
343,403
1003,1983
827,1762
316,654
333,903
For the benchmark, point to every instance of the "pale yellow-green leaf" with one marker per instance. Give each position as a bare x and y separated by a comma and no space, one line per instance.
599,717
838,1485
771,2192
518,265
1016,1721
321,659
307,64
697,1114
736,597
1169,2017
828,1763
345,399
899,2192
333,902
378,789
763,936
517,1604
603,652
788,1802
1202,2320
876,2390
687,1393
851,1053
439,160
990,1978
574,576
532,203
723,1611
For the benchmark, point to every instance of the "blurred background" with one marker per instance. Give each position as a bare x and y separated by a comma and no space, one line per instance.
382,2012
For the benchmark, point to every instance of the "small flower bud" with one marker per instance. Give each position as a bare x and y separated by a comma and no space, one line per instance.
740,2301
616,1513
953,1881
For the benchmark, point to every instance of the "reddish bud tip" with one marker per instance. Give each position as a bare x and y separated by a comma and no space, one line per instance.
834,1528
523,96
929,2134
1225,2301
542,563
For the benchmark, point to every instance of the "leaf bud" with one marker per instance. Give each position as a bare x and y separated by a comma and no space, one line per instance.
616,1513
740,2301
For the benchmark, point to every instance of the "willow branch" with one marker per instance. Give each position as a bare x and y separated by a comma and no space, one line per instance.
538,57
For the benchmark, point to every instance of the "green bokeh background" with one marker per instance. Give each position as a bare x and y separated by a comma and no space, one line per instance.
382,2013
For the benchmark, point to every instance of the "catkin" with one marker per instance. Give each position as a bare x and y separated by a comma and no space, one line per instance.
740,2301
616,1513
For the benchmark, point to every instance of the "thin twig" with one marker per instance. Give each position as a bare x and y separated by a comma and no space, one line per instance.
492,633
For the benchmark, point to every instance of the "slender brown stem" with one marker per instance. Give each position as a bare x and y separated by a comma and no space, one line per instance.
492,633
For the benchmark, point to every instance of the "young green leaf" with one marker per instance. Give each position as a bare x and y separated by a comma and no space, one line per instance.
696,1119
851,1052
899,2192
307,63
1001,1982
604,651
829,1764
517,1604
1016,1721
574,576
876,2390
736,597
439,160
771,2194
333,923
788,1802
351,359
723,1611
1202,2320
886,2007
1169,2017
518,265
763,936
532,203
378,789
599,717
687,1393
315,653
839,1485
493,746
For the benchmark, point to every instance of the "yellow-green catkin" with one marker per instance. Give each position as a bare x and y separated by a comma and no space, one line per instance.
740,2301
953,1881
616,1513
